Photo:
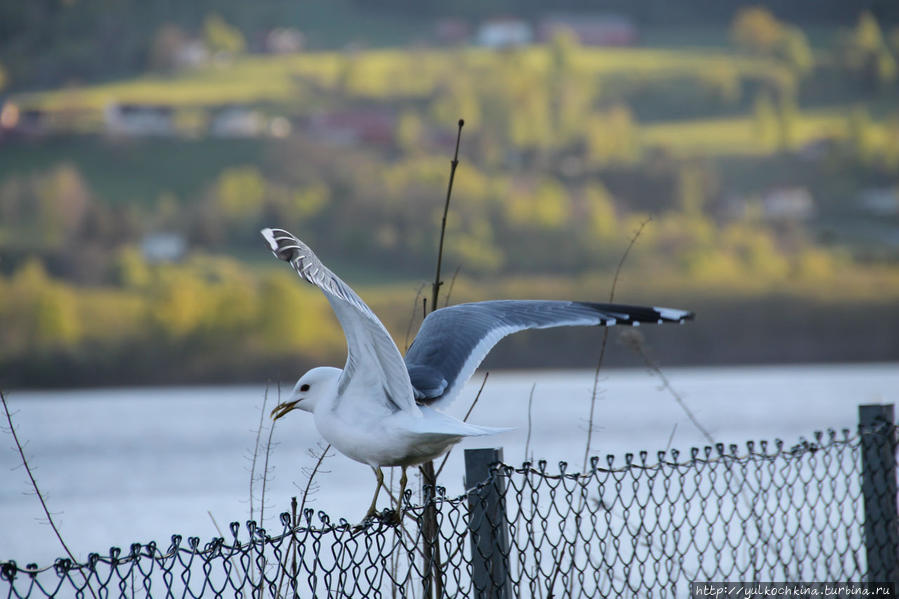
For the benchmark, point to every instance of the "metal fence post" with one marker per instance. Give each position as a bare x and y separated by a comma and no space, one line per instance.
878,445
488,528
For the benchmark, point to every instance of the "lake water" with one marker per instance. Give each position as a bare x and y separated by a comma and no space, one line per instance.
133,465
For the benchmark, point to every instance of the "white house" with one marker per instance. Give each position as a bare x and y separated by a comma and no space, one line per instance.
788,203
505,33
139,120
591,30
237,121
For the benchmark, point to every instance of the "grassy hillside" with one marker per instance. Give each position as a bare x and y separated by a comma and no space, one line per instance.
752,171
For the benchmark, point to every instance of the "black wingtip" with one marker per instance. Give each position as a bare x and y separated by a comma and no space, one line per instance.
282,243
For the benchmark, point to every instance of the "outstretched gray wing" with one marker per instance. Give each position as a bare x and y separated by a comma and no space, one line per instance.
453,341
374,365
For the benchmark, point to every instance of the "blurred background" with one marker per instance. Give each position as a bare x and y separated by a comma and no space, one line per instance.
144,144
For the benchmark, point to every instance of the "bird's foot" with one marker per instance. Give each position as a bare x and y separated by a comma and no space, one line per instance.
370,515
393,518
388,517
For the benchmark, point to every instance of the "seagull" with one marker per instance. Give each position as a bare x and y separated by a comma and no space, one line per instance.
383,410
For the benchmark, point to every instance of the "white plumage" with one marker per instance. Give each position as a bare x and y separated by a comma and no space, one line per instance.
382,410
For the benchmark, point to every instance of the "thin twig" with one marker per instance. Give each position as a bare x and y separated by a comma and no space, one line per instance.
449,291
476,397
40,496
215,524
671,437
412,316
268,452
605,337
435,289
602,352
467,414
287,554
318,463
433,575
527,443
256,447
291,548
637,345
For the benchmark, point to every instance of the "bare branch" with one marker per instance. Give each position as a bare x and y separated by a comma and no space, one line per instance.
315,470
467,414
527,443
265,472
635,341
452,284
37,491
435,289
605,337
421,287
215,524
256,447
433,576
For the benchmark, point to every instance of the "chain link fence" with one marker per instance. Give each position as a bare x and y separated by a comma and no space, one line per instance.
648,526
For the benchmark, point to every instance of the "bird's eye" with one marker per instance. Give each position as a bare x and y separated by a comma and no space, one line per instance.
304,388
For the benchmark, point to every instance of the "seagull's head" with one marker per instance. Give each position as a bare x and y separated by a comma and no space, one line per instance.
312,387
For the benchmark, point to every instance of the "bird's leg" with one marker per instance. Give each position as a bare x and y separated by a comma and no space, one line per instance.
398,515
374,500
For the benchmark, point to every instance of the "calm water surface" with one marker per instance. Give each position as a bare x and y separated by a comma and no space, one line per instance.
133,465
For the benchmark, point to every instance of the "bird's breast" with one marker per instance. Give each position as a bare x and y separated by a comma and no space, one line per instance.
386,441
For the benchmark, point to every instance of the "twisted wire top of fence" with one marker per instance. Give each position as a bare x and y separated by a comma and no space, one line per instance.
650,526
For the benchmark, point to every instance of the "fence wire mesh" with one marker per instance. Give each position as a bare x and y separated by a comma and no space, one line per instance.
647,526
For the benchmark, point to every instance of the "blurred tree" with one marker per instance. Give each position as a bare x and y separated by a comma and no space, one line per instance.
890,149
191,121
723,82
691,188
46,314
240,193
307,202
233,299
293,318
867,37
861,136
178,301
794,49
351,74
167,213
563,48
886,68
815,265
610,137
604,226
572,91
756,29
220,37
63,200
757,251
787,120
409,131
453,99
530,125
546,206
131,270
867,54
474,248
765,120
167,42
4,78
11,202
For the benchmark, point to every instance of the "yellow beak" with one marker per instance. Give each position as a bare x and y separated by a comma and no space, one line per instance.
282,409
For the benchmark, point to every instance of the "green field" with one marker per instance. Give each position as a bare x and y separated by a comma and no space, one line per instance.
385,73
